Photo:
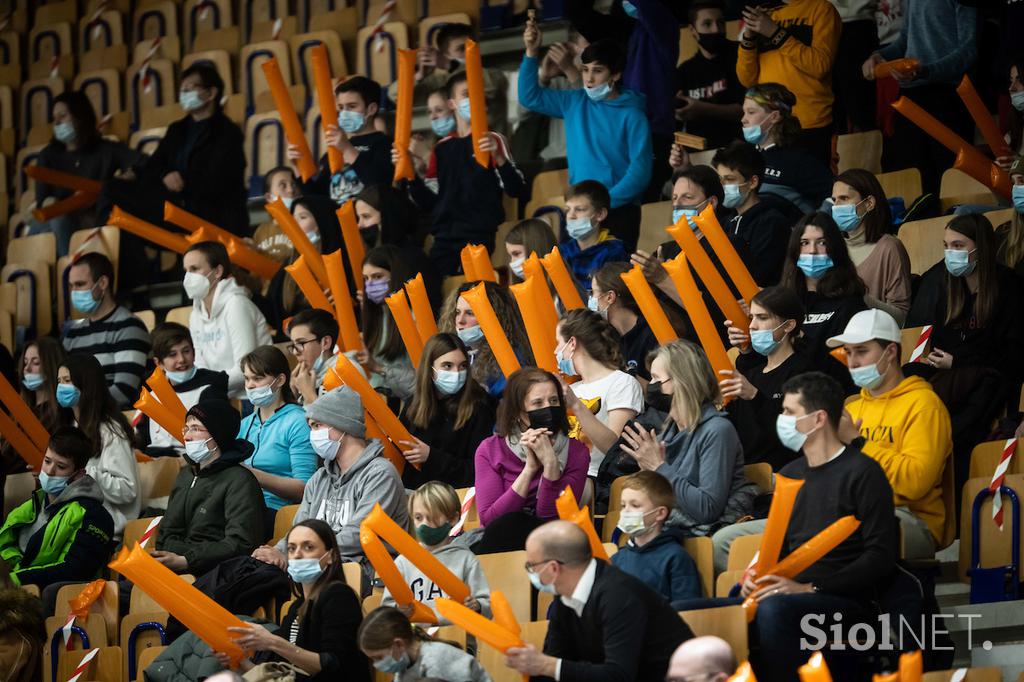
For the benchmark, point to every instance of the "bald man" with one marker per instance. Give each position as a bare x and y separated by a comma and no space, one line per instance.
607,625
709,659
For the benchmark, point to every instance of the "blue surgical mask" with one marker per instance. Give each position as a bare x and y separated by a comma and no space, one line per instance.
464,111
65,132
305,571
785,429
389,664
471,336
448,382
377,289
599,92
182,377
32,381
313,237
1017,194
68,395
846,216
595,305
763,340
578,228
753,134
190,100
814,265
867,376
541,587
565,365
351,121
630,9
958,262
442,126
516,266
688,212
198,450
318,364
261,396
83,301
1017,100
52,485
733,196
323,445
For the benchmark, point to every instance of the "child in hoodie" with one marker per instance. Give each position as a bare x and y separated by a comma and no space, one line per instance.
904,426
654,554
434,510
608,138
589,245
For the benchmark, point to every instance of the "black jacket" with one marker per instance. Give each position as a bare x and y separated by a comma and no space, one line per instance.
214,513
765,229
627,632
210,155
452,451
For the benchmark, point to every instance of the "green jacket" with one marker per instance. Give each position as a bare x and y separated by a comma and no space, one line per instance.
215,513
67,540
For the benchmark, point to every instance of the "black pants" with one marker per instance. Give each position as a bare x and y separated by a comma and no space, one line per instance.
507,533
911,147
624,223
854,108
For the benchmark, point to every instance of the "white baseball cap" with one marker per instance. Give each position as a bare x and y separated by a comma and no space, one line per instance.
868,325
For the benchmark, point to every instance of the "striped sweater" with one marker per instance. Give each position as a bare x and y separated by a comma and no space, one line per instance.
121,344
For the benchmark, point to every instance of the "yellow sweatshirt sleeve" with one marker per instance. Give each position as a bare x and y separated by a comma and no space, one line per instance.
748,67
914,466
815,60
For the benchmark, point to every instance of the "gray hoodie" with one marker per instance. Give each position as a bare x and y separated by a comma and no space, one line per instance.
440,661
457,559
343,500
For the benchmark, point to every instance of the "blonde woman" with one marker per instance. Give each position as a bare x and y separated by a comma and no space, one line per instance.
698,450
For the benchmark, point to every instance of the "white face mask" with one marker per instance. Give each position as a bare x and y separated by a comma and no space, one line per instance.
632,522
197,286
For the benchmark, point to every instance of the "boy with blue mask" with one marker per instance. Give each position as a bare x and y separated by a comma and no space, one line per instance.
365,150
467,200
589,245
608,137
904,426
174,353
764,222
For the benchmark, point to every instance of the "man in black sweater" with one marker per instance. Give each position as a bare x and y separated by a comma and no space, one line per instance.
607,626
839,480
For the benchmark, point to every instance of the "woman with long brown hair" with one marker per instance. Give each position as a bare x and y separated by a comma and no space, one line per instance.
395,646
449,415
37,368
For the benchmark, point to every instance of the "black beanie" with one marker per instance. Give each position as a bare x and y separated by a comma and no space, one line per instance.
220,419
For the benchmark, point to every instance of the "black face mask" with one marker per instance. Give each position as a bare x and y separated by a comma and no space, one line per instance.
370,235
714,43
453,65
551,418
662,402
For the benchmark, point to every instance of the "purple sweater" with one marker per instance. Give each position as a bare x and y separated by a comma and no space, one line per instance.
497,468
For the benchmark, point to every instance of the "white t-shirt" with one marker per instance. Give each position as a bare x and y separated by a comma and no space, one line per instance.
617,391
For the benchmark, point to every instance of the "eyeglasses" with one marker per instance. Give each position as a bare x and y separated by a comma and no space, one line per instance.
189,430
531,568
296,347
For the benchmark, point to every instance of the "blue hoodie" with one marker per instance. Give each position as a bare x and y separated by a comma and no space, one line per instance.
282,447
608,141
651,59
663,565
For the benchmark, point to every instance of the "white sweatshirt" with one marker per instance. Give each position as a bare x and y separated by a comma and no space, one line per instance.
223,335
116,472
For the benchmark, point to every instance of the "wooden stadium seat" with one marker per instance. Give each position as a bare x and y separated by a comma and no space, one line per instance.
923,241
146,659
904,183
550,183
1000,216
908,339
493,661
220,60
179,315
372,601
702,551
995,548
140,602
654,218
10,48
17,489
106,666
761,474
537,206
106,30
134,530
283,521
35,306
255,11
265,100
107,241
250,59
381,64
6,117
302,67
473,517
137,636
430,25
160,117
470,8
985,456
958,187
36,105
972,675
48,42
148,318
860,150
55,12
345,22
727,622
504,571
103,88
742,551
200,16
228,38
168,47
274,29
155,19
106,606
7,328
146,141
405,11
353,575
725,582
95,629
265,147
113,57
161,91
42,247
949,504
156,478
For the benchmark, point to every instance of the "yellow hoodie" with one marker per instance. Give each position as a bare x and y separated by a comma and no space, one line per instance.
799,56
907,431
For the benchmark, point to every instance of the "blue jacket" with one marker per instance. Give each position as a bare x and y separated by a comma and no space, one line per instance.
585,262
663,565
608,141
282,447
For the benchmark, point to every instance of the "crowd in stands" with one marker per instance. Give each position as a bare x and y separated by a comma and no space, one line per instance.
648,433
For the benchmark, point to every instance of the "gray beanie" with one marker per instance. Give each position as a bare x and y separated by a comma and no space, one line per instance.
341,408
